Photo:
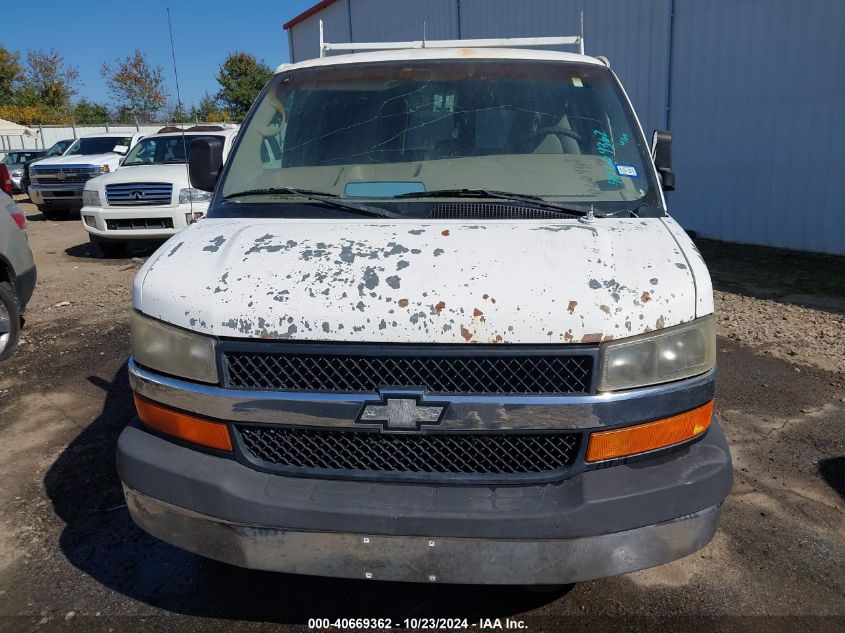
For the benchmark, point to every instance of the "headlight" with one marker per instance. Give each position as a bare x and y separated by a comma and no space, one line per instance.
173,351
193,195
105,169
671,354
90,198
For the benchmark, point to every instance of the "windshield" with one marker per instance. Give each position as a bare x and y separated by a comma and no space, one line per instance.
161,150
97,145
14,158
560,131
58,148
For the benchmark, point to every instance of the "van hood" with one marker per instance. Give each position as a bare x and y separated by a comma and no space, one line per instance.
411,281
79,159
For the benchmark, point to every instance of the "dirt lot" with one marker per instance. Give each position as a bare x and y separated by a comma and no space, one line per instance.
71,558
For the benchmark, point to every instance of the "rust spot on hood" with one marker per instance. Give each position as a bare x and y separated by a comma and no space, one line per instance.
403,303
476,312
645,297
605,309
466,334
571,307
567,336
592,338
445,233
485,296
439,307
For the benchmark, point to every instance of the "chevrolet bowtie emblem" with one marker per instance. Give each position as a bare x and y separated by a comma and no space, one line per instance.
402,413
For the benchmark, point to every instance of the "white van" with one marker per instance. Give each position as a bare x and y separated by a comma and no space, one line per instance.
149,196
442,330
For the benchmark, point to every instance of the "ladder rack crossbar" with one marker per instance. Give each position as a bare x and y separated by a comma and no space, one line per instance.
501,42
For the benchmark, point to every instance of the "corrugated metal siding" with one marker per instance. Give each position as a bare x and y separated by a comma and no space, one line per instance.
756,94
633,35
757,103
400,21
306,35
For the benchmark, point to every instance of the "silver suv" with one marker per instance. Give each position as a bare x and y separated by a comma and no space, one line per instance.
17,273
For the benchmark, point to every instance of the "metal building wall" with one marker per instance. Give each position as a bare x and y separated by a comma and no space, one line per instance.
634,36
752,90
758,94
402,21
304,38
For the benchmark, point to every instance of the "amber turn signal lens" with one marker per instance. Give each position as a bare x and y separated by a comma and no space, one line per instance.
185,427
649,436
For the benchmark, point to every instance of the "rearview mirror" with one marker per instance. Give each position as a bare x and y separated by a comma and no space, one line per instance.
661,153
205,162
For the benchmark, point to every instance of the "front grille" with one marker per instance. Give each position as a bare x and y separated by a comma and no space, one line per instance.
434,453
495,211
63,175
139,224
470,373
135,194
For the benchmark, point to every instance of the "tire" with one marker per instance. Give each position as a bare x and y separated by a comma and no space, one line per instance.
112,250
10,321
50,213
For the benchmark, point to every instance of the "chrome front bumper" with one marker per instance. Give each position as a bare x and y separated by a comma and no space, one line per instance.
465,413
424,558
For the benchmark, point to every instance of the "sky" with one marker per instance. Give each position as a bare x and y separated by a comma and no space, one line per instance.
88,34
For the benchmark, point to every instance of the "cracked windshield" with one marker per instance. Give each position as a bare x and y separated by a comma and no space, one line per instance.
559,131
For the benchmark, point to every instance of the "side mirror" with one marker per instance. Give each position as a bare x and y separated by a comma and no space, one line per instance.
661,153
205,162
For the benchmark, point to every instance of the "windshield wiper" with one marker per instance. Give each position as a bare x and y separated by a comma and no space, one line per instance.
324,199
536,201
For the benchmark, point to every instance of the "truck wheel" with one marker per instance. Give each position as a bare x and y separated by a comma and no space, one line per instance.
10,321
50,213
112,250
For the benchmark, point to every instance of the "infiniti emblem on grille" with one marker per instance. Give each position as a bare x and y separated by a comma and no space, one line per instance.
137,195
402,412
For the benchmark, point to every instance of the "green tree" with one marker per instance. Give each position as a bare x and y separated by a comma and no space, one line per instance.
136,87
208,109
11,76
88,112
176,113
241,78
49,83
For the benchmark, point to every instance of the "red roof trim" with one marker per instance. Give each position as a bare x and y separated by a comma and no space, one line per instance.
308,13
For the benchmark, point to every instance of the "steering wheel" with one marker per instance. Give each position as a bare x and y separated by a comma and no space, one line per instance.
556,129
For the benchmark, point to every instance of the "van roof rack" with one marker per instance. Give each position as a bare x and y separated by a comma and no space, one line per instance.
502,42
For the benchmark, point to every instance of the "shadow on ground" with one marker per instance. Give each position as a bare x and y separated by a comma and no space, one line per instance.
812,280
101,540
833,472
87,250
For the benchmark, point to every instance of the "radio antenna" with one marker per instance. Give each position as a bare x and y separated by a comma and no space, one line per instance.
179,108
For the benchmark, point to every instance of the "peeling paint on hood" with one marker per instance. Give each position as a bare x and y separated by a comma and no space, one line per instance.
425,281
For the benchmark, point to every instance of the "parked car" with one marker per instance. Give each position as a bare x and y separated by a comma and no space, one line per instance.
14,161
17,273
56,183
57,149
149,196
450,334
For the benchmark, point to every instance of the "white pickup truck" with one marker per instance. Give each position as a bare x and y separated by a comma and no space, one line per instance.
149,197
56,183
437,326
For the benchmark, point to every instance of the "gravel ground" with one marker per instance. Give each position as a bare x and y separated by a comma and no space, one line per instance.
71,558
801,335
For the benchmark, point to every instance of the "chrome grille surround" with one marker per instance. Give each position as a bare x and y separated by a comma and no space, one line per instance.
133,194
63,175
